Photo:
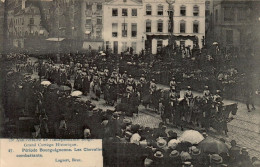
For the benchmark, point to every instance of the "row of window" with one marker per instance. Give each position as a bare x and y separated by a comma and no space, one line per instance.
124,29
182,26
159,11
182,10
229,14
89,6
124,12
89,21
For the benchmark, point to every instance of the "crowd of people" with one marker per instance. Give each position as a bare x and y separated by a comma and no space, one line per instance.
55,110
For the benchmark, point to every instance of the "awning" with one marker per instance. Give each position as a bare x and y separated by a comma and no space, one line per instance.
55,39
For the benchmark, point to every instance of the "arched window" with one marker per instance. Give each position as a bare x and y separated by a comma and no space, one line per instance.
195,10
148,9
159,26
148,26
182,26
196,27
183,10
160,10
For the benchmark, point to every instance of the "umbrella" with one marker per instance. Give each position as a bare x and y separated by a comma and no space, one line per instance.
210,145
76,93
192,136
64,88
53,86
47,83
215,43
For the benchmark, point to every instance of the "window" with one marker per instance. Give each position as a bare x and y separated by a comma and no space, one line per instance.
114,12
134,29
134,46
31,21
195,10
182,27
124,46
148,26
114,29
159,45
160,26
160,10
229,14
182,43
216,15
107,45
88,22
99,6
88,6
183,11
195,27
148,10
99,20
241,14
99,33
229,36
124,29
124,12
134,12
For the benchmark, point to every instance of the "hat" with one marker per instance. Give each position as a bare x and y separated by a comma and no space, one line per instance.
173,143
187,163
206,87
158,154
161,143
153,80
188,87
174,154
148,162
243,149
216,159
195,151
218,91
185,156
127,121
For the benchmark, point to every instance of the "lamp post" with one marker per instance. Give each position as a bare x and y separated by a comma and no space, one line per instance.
170,13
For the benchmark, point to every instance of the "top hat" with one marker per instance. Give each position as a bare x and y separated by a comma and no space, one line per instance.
158,154
195,151
216,159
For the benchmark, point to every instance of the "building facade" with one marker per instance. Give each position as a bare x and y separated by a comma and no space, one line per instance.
188,23
236,24
92,23
123,25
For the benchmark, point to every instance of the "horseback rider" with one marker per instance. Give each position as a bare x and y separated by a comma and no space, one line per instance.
153,86
173,82
206,94
188,95
173,96
218,101
131,82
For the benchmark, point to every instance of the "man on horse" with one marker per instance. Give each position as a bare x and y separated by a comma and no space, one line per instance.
188,96
206,94
218,101
173,100
173,82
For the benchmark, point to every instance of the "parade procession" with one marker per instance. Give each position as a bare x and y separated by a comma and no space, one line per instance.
163,83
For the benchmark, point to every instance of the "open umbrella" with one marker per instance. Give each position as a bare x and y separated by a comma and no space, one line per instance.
53,86
64,88
192,136
45,83
76,93
210,145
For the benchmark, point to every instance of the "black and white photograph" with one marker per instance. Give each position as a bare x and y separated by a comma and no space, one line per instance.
163,83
